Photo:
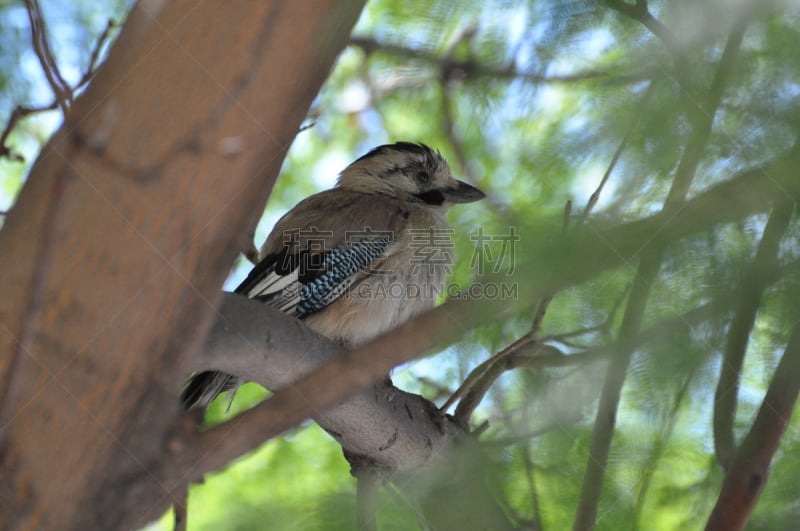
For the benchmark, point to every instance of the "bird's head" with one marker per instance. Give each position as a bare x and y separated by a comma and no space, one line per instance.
410,172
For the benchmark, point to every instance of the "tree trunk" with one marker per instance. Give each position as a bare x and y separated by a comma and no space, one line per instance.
113,255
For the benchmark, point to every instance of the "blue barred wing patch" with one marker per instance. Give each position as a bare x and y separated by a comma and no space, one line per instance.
286,282
342,266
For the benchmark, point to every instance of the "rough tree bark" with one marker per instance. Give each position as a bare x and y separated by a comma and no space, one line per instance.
113,255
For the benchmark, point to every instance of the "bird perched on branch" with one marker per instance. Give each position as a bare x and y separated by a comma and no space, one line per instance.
360,259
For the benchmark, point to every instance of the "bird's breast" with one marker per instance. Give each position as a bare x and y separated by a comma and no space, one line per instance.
405,283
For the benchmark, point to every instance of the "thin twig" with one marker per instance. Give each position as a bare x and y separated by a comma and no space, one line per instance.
448,120
574,345
599,327
513,360
21,111
16,115
567,214
480,369
532,434
545,301
529,476
457,145
449,126
439,389
91,69
660,446
306,126
640,12
538,317
615,158
41,46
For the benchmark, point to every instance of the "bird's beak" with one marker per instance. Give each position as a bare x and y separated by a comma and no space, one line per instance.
463,193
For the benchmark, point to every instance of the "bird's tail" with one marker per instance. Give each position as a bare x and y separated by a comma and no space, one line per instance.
204,387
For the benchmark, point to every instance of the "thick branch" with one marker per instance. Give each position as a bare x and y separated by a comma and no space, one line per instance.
751,289
395,430
749,469
450,67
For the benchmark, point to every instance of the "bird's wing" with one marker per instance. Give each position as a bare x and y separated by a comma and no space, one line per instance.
324,245
300,281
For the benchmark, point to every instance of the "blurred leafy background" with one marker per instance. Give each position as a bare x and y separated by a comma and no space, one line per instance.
529,100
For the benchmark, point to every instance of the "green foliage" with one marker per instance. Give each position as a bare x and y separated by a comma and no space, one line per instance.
302,469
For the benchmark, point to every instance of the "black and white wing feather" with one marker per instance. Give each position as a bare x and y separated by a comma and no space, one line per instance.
302,284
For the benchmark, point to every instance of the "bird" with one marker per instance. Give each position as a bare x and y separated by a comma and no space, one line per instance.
358,259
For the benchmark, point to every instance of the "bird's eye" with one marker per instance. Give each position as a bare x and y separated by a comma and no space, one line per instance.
423,177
